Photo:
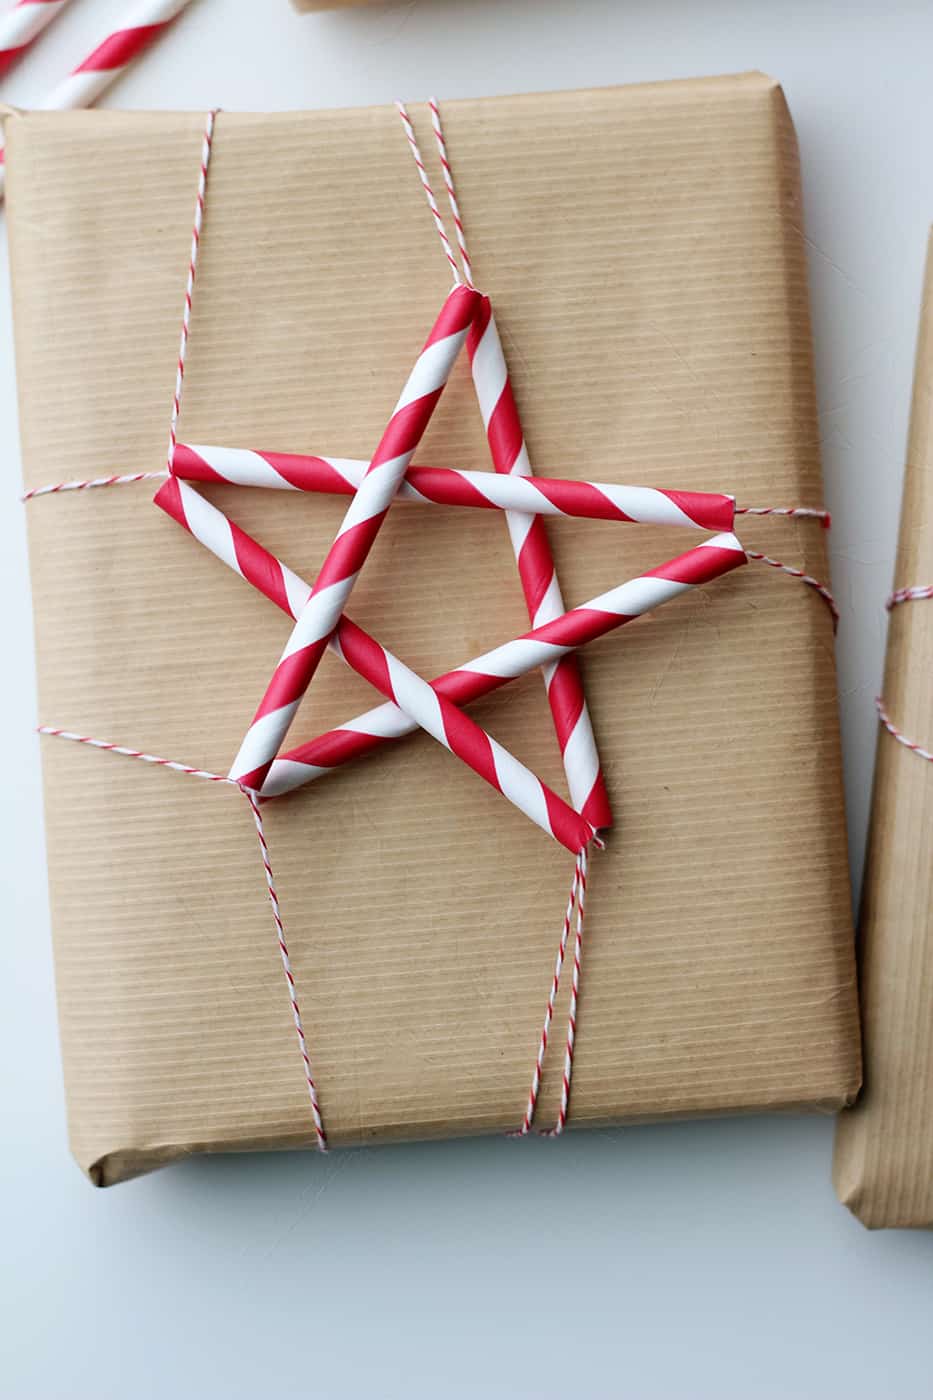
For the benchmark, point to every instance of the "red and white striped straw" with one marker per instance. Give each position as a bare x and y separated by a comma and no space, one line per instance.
22,25
435,713
535,561
473,679
111,57
449,486
536,569
354,540
542,646
441,718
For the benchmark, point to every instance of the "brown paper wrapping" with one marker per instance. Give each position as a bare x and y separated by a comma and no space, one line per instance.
644,253
884,1147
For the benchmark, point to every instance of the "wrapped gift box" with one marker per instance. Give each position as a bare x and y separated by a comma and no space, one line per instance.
644,252
884,1147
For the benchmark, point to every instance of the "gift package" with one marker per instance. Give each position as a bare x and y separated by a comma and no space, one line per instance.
643,252
884,1147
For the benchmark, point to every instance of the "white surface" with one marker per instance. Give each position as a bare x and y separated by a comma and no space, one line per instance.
683,1261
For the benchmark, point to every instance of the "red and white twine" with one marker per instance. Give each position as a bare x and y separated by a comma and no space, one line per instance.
59,486
192,772
528,534
915,594
320,1134
206,147
429,192
551,1000
435,705
564,1107
133,753
819,588
449,186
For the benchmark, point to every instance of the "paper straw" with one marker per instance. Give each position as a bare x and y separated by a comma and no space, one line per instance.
486,673
434,713
532,550
542,646
448,486
109,59
440,717
354,540
22,25
113,55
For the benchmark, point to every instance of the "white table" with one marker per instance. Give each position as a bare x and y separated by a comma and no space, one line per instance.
686,1261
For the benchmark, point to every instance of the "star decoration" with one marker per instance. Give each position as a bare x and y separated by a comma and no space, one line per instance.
262,766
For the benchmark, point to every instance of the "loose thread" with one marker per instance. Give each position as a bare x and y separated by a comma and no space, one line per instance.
915,594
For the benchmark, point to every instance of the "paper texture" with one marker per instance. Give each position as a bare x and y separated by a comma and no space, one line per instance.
884,1147
643,249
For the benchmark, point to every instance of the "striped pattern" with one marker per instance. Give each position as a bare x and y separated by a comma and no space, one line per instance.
108,60
113,55
528,1119
354,540
435,713
536,569
542,646
152,758
90,483
917,593
22,25
428,191
207,145
898,734
447,486
441,144
441,718
529,541
570,1042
